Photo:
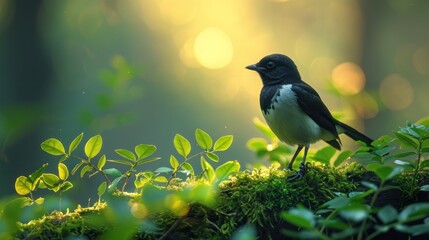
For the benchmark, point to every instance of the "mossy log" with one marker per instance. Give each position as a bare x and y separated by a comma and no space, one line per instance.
255,197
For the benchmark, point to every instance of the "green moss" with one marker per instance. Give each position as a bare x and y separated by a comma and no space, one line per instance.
254,197
57,225
258,196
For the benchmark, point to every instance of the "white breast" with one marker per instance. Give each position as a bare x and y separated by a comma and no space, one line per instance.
289,122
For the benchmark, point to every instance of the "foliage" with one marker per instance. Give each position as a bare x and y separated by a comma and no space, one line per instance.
355,214
153,186
337,199
118,88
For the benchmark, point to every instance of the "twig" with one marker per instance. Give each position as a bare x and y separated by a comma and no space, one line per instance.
171,229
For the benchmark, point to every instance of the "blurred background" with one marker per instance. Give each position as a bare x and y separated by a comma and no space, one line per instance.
140,71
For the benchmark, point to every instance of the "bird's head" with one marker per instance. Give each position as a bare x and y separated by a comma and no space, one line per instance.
275,69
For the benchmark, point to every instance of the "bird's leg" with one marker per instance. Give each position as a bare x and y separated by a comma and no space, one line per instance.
298,150
302,167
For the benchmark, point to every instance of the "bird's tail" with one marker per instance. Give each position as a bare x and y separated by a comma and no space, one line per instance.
353,133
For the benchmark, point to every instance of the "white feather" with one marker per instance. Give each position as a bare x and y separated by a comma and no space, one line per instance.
289,122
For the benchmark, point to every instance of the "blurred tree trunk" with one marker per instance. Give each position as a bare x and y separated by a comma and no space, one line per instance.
25,79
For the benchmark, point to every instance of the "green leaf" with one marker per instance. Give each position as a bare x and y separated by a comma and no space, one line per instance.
224,170
424,121
257,144
354,213
384,172
208,170
424,188
163,170
406,140
65,186
101,162
223,143
336,203
53,146
387,214
124,162
188,169
76,167
424,164
73,145
93,146
148,175
174,163
85,169
203,139
63,171
324,155
182,145
144,150
147,160
126,154
161,179
264,129
51,180
39,201
342,157
369,185
114,183
404,154
300,217
414,212
139,183
34,177
112,172
404,163
23,185
102,188
212,156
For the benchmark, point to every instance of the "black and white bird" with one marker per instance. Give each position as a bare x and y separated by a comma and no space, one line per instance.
294,110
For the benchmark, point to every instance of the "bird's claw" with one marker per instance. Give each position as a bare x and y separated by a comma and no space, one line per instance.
300,174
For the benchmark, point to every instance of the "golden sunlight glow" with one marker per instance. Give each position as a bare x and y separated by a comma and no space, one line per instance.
348,78
178,12
396,92
213,48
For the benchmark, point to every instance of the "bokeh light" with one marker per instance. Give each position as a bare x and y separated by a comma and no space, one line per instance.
139,210
421,60
366,106
348,78
213,48
396,92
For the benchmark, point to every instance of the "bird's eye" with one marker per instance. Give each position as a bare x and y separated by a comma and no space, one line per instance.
270,65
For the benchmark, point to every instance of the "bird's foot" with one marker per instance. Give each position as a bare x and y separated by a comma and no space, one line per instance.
300,174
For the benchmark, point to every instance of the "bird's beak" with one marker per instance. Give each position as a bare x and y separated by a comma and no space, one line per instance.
253,67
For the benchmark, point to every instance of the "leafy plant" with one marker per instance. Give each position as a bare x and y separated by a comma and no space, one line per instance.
141,155
27,185
412,153
209,151
348,215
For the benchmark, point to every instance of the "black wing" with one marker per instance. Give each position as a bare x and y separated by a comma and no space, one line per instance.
311,103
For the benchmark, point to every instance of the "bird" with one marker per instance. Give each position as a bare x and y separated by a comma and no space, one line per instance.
294,110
